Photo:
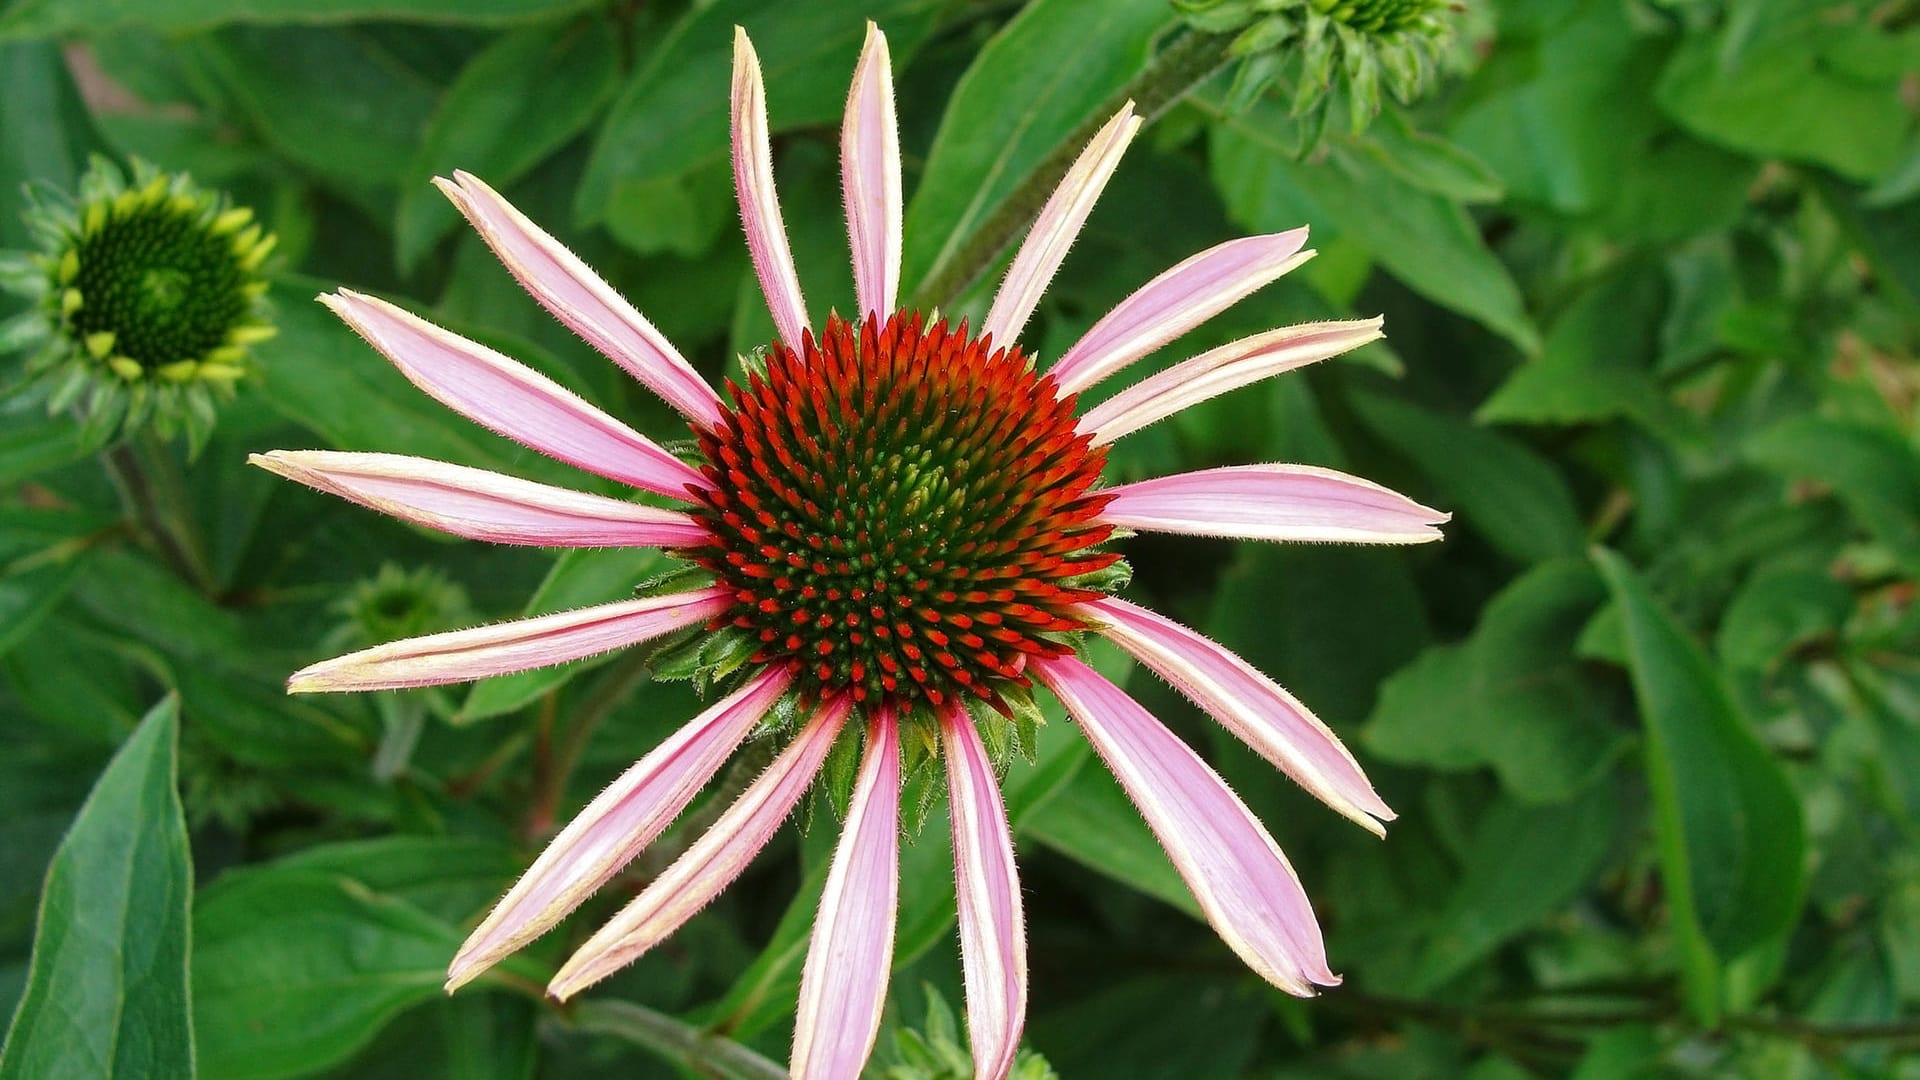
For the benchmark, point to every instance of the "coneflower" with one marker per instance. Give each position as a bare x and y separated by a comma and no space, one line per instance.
901,524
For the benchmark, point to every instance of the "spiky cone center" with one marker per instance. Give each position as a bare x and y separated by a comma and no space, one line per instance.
157,280
903,513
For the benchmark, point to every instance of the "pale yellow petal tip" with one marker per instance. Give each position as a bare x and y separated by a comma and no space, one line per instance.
451,188
462,971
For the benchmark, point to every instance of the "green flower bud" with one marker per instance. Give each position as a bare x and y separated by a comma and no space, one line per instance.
145,296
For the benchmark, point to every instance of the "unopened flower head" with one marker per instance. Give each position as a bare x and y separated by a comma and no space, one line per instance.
146,295
900,531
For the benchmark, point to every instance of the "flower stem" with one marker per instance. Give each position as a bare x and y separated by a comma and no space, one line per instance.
1178,68
146,505
703,1052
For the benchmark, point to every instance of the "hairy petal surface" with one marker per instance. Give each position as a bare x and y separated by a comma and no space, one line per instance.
759,204
993,940
843,989
1177,301
711,864
1054,230
1217,371
616,827
504,648
481,505
578,297
511,398
1273,502
1243,883
1255,708
870,179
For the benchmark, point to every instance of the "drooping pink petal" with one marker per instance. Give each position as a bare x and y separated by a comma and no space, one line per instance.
511,398
504,648
482,505
759,205
843,988
1177,301
578,297
1217,371
1243,883
870,178
1054,230
1247,703
616,827
993,940
710,865
1273,502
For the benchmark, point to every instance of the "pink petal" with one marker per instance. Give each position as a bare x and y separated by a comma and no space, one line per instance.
710,865
578,297
843,989
1228,367
870,177
482,505
993,942
520,645
1177,301
511,398
616,827
1237,873
1247,703
1273,502
1057,226
759,205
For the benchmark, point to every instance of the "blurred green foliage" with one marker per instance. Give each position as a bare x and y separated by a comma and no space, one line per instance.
1651,715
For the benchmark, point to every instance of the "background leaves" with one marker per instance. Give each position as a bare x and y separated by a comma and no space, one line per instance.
1649,715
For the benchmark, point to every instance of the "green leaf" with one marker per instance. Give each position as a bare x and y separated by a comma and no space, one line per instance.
1426,240
50,18
672,117
513,105
1512,697
1732,838
338,102
1511,495
295,969
1095,825
448,877
38,443
1777,609
43,128
1597,362
1430,162
107,992
1779,93
1523,864
30,594
1035,81
579,578
1873,471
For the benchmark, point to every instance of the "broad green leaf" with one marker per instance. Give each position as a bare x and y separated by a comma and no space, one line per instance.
1512,697
1552,109
1426,240
513,105
107,993
1523,864
672,116
448,877
1597,360
1777,609
37,443
43,128
1035,81
1732,839
1873,471
579,578
294,969
1163,1025
49,18
1780,93
1511,495
1095,825
335,101
1430,162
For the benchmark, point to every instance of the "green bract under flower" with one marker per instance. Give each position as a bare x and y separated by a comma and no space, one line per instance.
146,294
